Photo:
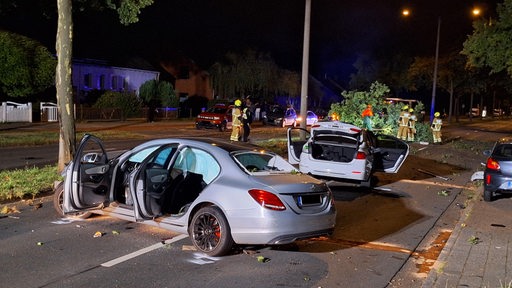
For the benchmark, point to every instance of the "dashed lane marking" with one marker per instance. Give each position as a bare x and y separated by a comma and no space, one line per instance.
143,251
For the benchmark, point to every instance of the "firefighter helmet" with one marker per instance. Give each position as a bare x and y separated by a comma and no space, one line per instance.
405,107
238,103
411,110
436,114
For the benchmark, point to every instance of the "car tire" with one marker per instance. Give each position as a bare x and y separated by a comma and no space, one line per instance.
210,233
488,196
58,199
197,127
222,127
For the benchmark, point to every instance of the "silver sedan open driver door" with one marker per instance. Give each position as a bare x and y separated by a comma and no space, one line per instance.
87,180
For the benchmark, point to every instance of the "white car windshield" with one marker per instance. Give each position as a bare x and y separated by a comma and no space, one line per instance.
262,162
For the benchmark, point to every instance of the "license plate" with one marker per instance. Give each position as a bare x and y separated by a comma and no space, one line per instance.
307,200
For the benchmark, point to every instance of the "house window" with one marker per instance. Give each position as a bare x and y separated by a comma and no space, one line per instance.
126,85
88,81
115,82
102,82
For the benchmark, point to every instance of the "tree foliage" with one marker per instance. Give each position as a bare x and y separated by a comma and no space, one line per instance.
386,114
252,73
158,93
490,45
26,66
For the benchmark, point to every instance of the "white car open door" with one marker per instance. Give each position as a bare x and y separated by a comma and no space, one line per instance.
389,153
296,143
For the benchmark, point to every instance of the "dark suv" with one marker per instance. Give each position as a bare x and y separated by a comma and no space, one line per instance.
498,170
218,116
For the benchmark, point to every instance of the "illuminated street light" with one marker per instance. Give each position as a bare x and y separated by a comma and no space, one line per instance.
406,12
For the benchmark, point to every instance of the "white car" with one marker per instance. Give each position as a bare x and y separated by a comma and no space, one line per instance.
343,152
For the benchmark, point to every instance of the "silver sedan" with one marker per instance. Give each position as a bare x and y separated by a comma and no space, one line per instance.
218,192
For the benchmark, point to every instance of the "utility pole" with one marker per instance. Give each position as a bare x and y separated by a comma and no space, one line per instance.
305,68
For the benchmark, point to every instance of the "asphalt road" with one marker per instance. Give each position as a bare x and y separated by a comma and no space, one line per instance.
378,237
375,236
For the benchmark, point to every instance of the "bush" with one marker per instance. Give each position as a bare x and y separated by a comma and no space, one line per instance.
127,102
20,183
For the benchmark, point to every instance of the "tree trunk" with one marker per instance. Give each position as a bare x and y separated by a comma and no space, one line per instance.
63,83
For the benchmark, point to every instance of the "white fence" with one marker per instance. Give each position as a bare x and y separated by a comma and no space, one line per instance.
15,112
49,112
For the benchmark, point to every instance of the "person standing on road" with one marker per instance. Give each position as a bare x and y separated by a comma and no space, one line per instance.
403,123
367,113
236,120
412,125
436,128
247,116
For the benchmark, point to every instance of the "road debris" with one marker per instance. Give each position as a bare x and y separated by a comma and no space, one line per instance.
473,240
262,259
478,175
9,210
97,234
443,193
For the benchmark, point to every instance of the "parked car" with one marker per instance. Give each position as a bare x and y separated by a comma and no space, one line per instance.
498,170
311,118
218,116
219,193
274,116
343,152
290,118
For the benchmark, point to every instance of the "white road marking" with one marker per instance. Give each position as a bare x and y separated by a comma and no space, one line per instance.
201,259
143,251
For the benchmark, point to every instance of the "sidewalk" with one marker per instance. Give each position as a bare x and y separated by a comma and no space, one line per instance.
477,253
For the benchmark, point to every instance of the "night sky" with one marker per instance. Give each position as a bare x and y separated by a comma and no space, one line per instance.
206,29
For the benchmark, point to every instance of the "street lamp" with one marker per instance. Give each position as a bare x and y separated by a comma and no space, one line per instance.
436,61
406,12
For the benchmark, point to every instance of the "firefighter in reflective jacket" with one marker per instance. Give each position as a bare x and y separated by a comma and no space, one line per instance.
236,120
436,128
412,125
403,123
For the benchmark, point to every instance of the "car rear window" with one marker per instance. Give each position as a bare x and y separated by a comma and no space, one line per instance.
503,150
327,137
218,110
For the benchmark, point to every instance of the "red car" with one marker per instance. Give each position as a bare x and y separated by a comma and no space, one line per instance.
218,116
